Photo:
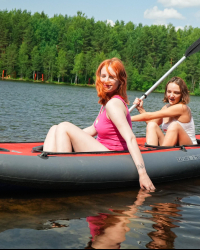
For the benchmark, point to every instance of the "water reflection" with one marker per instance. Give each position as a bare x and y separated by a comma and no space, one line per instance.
163,216
51,224
109,231
128,219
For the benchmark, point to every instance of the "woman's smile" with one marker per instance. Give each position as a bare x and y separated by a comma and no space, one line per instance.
107,86
173,93
171,99
109,80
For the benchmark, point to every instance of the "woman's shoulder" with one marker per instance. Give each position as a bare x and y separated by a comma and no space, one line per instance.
117,97
165,107
181,107
115,103
178,105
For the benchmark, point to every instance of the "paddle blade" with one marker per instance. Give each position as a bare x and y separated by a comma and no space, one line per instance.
195,47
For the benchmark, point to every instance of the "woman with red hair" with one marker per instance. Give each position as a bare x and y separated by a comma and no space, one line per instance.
112,127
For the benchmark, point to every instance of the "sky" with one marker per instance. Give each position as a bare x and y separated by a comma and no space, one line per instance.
180,13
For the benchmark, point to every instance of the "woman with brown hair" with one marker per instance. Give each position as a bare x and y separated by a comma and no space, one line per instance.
175,117
112,126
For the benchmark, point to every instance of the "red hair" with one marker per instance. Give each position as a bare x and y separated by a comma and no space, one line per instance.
121,75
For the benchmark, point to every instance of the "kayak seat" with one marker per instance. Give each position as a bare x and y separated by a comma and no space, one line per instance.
4,150
37,149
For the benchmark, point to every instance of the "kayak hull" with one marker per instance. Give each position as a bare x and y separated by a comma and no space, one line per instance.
96,170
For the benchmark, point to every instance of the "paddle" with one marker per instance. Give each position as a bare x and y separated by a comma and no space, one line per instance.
195,47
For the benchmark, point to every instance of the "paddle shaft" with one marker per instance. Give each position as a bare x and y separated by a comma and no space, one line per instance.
158,82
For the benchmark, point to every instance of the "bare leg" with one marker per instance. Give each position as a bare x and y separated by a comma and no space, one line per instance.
50,141
176,134
154,134
68,135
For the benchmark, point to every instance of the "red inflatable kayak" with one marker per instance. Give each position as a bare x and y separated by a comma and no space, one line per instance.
25,164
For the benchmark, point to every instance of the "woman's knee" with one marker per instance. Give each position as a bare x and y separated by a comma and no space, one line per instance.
63,127
151,126
174,126
53,129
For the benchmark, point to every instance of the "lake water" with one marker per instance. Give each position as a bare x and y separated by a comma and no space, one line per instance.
167,218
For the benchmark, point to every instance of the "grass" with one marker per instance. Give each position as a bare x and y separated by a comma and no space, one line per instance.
197,93
49,82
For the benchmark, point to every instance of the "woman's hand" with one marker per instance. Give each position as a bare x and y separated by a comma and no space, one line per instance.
146,183
139,104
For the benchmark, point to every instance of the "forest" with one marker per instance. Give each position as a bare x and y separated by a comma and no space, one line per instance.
69,49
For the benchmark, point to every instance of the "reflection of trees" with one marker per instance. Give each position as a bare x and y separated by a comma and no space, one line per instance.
163,237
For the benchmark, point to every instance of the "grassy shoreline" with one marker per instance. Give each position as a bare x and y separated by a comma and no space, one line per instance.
46,82
71,84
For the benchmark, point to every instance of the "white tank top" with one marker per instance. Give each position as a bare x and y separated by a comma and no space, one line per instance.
188,127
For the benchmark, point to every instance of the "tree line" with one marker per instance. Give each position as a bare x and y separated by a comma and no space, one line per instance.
69,49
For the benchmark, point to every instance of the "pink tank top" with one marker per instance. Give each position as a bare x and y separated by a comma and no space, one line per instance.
96,223
108,134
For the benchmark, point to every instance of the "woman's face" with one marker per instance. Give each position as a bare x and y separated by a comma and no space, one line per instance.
110,82
173,93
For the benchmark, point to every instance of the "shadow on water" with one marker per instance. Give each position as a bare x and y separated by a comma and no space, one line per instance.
102,219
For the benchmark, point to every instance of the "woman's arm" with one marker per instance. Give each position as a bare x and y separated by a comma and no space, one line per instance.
116,111
173,111
141,110
90,131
